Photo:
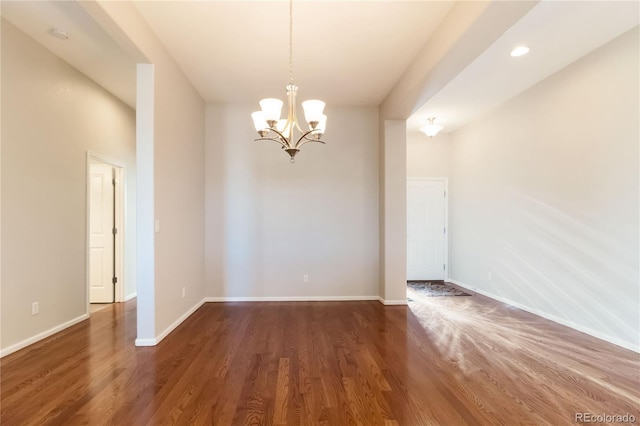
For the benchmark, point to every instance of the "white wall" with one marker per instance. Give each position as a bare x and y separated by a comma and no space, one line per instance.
270,222
545,196
51,116
428,157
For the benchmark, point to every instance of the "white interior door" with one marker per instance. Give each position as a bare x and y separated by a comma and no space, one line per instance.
426,230
101,241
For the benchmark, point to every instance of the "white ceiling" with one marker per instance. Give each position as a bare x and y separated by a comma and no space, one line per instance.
557,32
345,52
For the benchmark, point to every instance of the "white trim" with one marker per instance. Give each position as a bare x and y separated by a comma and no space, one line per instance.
120,224
176,323
290,298
446,217
392,302
31,340
119,220
165,333
556,319
131,296
145,204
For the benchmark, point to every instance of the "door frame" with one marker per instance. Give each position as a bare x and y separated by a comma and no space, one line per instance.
446,217
119,173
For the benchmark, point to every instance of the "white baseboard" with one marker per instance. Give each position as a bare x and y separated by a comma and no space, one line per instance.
131,296
556,319
158,339
31,340
176,323
165,333
305,299
392,302
146,342
290,299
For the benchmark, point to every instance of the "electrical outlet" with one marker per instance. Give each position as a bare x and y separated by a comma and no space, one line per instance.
184,291
35,308
305,278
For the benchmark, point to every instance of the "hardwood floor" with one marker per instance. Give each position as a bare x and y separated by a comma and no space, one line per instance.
440,361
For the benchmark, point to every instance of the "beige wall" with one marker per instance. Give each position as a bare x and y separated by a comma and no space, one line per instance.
270,222
51,116
177,153
467,30
428,157
545,197
393,212
179,195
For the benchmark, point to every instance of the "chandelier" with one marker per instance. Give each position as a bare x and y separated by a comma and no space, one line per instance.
271,127
431,129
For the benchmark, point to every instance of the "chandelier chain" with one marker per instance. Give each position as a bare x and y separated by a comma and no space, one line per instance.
290,41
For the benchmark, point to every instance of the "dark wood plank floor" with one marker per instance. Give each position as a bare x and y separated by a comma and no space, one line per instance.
440,361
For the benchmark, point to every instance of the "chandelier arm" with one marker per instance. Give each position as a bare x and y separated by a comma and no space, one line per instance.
310,132
304,139
310,140
283,139
272,139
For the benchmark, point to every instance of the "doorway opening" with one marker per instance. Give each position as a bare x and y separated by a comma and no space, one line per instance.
105,233
427,233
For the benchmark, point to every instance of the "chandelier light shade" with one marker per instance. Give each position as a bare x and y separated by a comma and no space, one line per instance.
431,129
271,127
313,111
271,109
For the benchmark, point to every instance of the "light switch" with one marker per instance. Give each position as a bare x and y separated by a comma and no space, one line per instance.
157,225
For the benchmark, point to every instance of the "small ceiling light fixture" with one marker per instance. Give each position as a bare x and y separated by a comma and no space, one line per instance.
519,51
62,35
268,123
431,129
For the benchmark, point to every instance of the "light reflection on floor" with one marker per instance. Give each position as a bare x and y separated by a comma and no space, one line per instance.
481,337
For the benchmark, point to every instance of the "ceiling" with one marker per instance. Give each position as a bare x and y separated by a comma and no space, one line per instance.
345,52
89,48
557,32
237,51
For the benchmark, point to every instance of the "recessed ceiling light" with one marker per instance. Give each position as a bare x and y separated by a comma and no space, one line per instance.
62,35
519,51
